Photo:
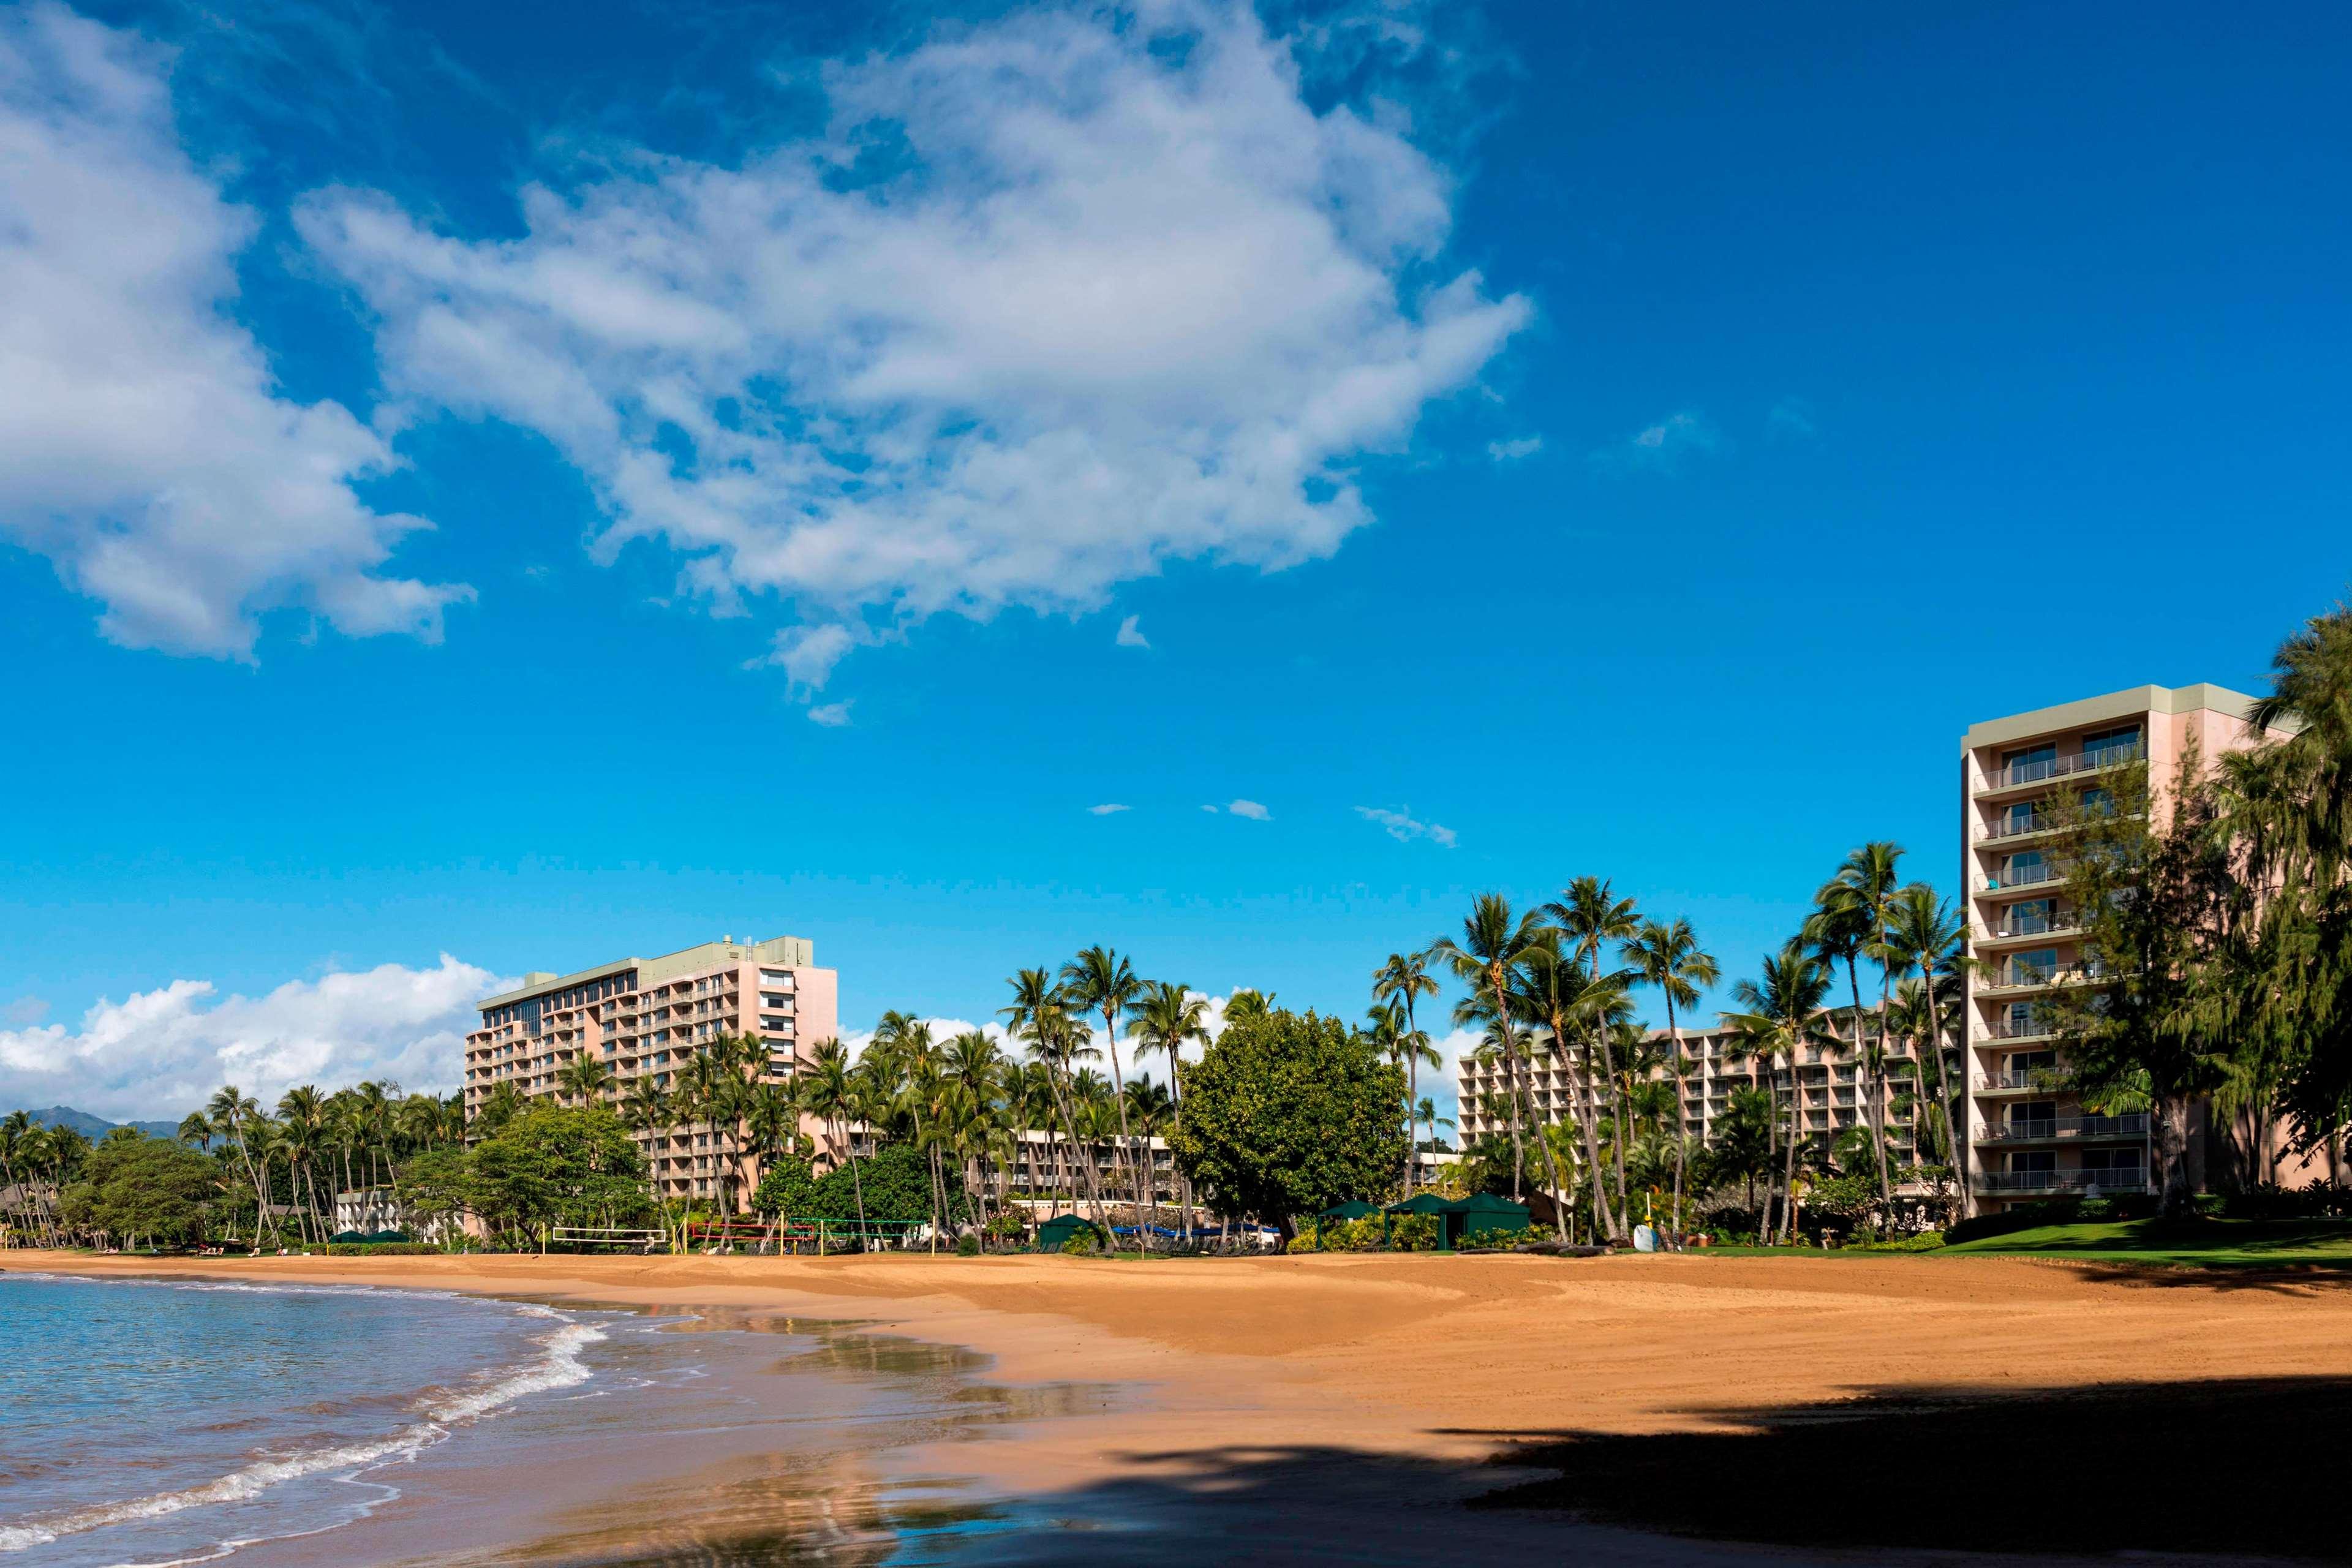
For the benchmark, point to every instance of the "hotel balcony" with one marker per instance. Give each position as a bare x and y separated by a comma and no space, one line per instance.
2038,1079
2022,876
2026,776
2020,1029
2003,829
2020,979
2066,1129
2018,922
2126,1179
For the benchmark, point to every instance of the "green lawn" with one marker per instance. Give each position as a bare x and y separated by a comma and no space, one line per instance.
2202,1244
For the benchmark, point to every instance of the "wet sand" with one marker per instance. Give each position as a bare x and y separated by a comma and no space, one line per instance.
1342,1407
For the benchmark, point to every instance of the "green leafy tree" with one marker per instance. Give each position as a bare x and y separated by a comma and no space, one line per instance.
2146,1020
141,1188
1287,1114
790,1190
435,1187
560,1166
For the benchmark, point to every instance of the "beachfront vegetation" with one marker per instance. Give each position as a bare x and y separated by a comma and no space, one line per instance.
1290,1113
273,1176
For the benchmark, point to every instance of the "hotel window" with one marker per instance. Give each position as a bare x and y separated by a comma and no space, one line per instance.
2024,817
2021,868
2030,763
2032,917
2116,745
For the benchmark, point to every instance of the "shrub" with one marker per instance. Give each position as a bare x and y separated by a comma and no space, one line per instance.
1303,1242
1501,1240
1079,1246
2268,1200
377,1249
967,1246
1414,1232
1926,1241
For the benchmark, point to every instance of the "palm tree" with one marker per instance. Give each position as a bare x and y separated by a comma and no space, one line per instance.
1405,977
1248,1004
233,1114
828,1091
1837,932
1858,904
1781,1006
1167,1019
1492,949
194,1132
1040,1013
1427,1113
1924,936
302,1110
1400,1045
1666,955
1593,917
1099,980
584,1079
1552,989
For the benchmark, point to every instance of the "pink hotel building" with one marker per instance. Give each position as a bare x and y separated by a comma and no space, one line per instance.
2026,1142
642,1018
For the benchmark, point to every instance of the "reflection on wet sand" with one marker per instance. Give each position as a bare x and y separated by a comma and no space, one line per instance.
834,1505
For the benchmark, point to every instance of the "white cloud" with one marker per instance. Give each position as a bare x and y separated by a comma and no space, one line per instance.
144,447
1130,636
162,1052
1107,808
1116,295
1401,826
1250,809
808,654
1209,809
831,715
1664,444
1511,451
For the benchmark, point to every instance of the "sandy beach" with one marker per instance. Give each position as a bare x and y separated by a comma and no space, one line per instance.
1387,1389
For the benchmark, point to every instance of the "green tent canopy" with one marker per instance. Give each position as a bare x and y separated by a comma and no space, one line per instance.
1485,1210
1459,1217
1055,1233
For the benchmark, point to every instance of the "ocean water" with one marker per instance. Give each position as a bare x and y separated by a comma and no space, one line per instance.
165,1422
173,1422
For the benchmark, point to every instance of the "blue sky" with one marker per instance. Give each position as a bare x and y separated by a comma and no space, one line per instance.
506,487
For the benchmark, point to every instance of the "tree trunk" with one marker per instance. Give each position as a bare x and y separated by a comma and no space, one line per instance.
1682,1133
1620,1108
1870,1089
1603,1222
1551,1157
1788,1158
1413,1095
2168,1139
1118,1098
1954,1145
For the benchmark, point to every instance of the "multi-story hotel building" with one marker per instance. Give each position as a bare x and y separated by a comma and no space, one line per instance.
1828,1076
643,1017
2024,1141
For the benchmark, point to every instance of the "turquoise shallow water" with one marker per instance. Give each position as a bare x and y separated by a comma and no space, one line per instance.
169,1421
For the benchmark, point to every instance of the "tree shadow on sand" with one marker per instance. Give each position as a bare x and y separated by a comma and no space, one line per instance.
2239,1470
2242,1467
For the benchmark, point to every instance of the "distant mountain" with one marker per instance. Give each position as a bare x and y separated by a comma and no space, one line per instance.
89,1126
